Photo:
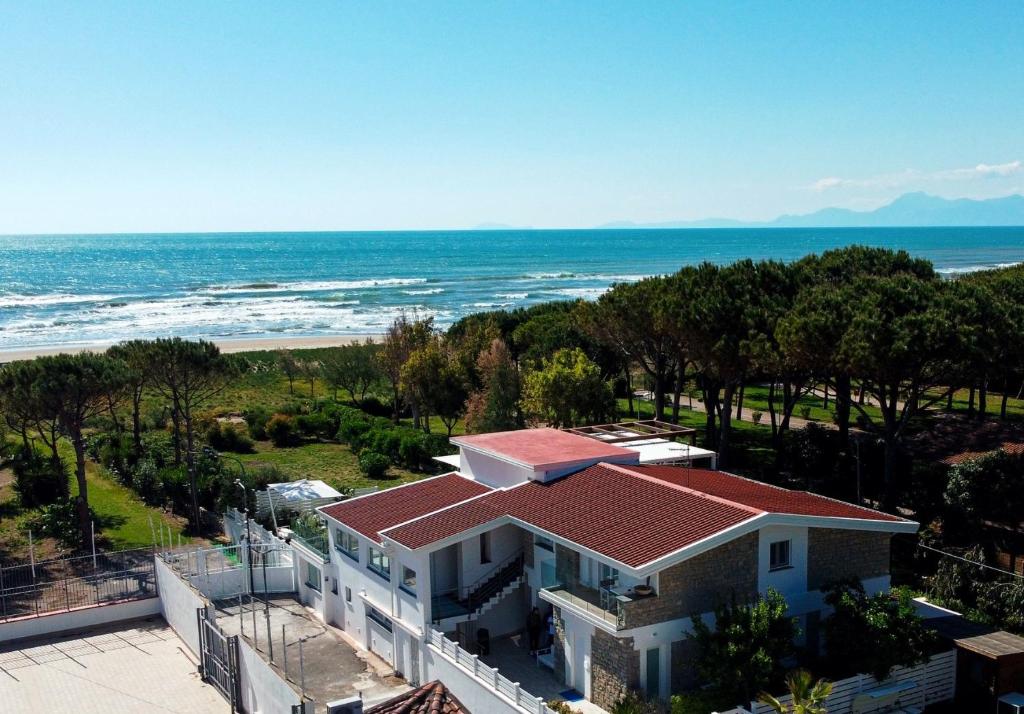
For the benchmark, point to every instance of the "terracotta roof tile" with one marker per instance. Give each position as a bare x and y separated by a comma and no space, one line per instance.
762,496
371,514
544,447
431,698
632,514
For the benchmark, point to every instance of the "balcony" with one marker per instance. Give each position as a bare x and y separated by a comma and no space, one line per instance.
311,532
606,607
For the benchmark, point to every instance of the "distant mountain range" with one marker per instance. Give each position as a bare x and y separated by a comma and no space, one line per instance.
910,209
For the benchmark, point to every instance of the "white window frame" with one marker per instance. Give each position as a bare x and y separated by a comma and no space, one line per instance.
779,564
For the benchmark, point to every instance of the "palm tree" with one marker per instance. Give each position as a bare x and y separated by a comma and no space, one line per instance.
808,696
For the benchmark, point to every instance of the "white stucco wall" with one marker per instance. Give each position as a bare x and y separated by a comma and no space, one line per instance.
178,605
791,581
263,691
78,619
490,470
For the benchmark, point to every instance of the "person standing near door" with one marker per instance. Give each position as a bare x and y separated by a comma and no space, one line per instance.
533,628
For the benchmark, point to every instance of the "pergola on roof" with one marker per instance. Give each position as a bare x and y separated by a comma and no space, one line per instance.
637,430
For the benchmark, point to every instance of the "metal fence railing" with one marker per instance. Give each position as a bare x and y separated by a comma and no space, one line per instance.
65,584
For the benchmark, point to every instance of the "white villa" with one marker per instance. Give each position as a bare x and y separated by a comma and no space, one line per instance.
619,550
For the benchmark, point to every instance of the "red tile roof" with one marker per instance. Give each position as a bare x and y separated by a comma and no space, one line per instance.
604,508
371,514
632,514
762,496
431,698
544,447
1010,447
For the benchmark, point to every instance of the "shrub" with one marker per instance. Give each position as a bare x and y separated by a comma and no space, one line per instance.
374,465
38,481
352,426
59,521
224,436
633,703
281,430
757,417
375,407
316,424
703,701
873,634
146,482
805,413
382,441
256,419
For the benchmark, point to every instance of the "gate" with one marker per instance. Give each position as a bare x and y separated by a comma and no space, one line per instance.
218,658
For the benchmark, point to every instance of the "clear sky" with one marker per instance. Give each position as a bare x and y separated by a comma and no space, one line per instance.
182,116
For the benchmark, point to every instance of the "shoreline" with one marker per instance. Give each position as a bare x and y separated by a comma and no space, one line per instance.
254,344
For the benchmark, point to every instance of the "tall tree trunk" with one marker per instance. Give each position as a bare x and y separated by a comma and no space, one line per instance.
983,396
629,391
678,394
137,419
949,401
843,410
709,392
176,436
771,413
739,402
824,404
970,401
193,479
725,428
1002,406
83,488
659,390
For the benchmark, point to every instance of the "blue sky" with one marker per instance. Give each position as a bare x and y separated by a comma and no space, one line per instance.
146,116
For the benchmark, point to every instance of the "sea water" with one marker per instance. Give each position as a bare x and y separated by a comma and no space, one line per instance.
89,289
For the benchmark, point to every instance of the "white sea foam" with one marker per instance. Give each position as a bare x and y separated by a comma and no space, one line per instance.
974,268
512,296
311,286
15,300
424,291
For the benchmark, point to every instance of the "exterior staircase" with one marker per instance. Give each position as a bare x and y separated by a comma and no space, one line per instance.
481,596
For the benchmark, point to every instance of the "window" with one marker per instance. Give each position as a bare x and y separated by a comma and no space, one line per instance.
379,617
313,577
345,542
348,594
778,557
379,563
545,543
609,576
485,548
408,580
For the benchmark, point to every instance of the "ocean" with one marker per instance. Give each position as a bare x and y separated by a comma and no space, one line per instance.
78,290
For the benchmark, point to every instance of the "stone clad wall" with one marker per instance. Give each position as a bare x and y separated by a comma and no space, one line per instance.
833,554
527,547
614,668
699,584
558,646
567,566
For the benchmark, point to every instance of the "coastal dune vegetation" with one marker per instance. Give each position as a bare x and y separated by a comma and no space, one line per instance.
826,373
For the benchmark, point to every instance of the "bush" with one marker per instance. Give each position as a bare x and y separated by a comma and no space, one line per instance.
374,465
352,425
38,481
375,407
58,521
146,482
281,430
633,703
256,419
316,424
224,436
701,702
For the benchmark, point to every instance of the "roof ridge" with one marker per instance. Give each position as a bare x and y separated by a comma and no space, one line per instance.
684,489
793,490
448,507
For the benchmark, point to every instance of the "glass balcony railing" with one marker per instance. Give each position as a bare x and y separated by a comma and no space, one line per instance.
603,603
312,533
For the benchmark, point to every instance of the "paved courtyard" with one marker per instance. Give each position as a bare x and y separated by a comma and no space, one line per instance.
137,666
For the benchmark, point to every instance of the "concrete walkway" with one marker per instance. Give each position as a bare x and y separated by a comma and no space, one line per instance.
331,667
138,666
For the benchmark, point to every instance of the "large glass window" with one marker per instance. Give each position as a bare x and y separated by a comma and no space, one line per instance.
345,542
379,617
779,555
545,543
408,580
379,563
313,577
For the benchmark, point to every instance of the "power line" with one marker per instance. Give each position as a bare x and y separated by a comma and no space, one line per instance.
972,562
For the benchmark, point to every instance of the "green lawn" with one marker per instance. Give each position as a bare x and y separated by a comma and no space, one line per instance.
333,463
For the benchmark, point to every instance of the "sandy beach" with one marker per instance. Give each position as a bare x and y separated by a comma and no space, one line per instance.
228,346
